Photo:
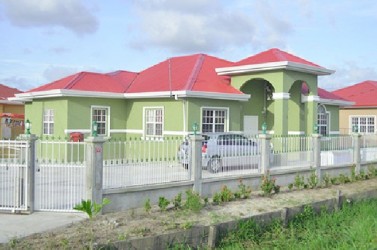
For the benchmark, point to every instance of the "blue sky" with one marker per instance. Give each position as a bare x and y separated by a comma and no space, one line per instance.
45,40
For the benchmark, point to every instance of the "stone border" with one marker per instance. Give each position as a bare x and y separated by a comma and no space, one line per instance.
209,236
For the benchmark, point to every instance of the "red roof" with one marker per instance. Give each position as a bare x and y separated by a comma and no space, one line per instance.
183,73
190,73
115,82
6,92
363,93
274,55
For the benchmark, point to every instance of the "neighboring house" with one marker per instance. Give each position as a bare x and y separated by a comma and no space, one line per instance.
362,116
272,87
11,113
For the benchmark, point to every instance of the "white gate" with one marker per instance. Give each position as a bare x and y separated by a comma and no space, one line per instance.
59,175
13,175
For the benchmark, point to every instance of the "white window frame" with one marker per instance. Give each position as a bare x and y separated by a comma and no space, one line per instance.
327,119
366,124
226,122
107,122
49,122
154,122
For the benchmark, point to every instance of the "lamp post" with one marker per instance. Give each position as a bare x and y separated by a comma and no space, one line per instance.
94,129
195,127
264,128
28,126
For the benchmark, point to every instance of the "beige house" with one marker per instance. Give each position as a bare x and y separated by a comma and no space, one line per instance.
362,116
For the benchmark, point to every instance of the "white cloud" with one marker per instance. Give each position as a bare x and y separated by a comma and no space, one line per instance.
73,15
209,25
191,26
347,74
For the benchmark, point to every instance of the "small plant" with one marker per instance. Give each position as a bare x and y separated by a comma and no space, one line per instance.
299,181
216,198
268,184
91,208
177,201
147,205
243,192
163,203
313,180
343,179
187,225
334,181
276,189
193,201
372,171
327,180
290,186
226,194
353,173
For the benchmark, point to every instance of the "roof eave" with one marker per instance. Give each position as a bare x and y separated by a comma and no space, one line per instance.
300,67
64,92
188,94
335,102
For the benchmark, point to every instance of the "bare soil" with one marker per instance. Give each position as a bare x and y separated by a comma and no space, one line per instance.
138,223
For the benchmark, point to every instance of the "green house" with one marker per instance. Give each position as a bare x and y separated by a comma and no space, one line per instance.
273,87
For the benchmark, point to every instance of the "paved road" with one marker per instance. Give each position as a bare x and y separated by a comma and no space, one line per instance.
16,225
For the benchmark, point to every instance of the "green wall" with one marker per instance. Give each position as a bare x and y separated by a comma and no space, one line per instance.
34,112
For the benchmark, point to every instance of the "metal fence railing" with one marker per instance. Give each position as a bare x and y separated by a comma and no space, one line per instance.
368,147
135,162
336,150
291,151
13,175
59,175
230,154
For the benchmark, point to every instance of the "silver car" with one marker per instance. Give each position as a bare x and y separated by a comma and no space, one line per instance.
223,150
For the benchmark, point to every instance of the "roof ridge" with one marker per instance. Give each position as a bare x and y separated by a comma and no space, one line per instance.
78,77
195,72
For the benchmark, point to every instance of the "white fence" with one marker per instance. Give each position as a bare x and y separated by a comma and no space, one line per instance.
368,148
59,175
291,151
13,175
336,150
137,162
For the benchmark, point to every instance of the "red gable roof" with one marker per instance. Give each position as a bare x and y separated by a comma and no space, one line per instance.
363,93
195,73
6,92
274,55
115,82
185,73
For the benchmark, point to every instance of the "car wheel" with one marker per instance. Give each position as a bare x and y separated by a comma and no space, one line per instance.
215,165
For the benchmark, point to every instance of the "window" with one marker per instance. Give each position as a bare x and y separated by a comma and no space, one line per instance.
214,120
323,120
99,115
48,122
154,120
363,124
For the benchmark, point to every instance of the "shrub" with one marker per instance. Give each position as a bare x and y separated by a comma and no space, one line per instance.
177,201
290,186
243,191
193,201
147,205
163,203
268,184
327,180
313,180
299,181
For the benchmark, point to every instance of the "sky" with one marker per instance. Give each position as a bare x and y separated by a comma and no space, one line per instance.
45,40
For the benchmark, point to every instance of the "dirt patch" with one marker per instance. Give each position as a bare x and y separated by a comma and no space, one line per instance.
138,223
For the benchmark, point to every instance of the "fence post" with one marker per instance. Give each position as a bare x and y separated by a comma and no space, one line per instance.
30,169
356,137
317,156
94,168
196,162
265,153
